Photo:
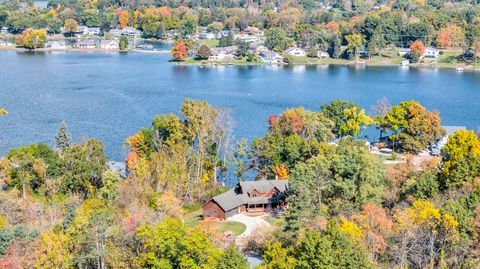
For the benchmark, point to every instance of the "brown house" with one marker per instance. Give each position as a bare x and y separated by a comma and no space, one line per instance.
247,196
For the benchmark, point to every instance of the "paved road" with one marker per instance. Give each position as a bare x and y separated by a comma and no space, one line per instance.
251,222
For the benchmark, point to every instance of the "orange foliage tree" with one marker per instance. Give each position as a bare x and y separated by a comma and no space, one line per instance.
417,48
180,51
450,36
123,18
281,171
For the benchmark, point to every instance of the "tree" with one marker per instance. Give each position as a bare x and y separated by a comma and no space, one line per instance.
169,244
123,18
417,49
226,41
461,159
123,43
32,39
179,51
354,42
243,48
334,47
203,52
71,26
347,116
413,127
55,251
450,36
63,139
232,258
276,39
277,257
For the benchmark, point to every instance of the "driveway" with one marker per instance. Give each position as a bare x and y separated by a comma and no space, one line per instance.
251,222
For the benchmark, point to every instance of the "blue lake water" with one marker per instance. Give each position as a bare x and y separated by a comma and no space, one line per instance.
110,96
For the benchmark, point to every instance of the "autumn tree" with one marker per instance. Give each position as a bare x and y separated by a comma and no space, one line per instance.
461,159
417,49
203,52
348,117
71,26
450,36
413,127
179,51
123,17
32,39
354,43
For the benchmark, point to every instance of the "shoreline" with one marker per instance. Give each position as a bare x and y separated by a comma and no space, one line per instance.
466,68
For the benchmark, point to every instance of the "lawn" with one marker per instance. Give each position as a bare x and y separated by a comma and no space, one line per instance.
193,218
235,227
211,43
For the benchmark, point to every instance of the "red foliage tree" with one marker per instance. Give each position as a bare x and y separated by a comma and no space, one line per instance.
180,51
291,123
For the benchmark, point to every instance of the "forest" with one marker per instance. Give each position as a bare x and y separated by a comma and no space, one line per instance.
62,207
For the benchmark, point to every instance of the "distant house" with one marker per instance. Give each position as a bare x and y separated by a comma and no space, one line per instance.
437,148
82,30
247,196
57,44
109,44
294,51
131,32
93,31
207,35
4,30
85,44
259,49
270,57
322,54
216,55
115,32
403,52
431,53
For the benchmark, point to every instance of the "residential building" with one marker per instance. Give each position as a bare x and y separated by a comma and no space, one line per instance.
247,196
216,55
208,35
322,54
450,130
403,51
294,51
131,32
57,44
431,53
270,57
93,31
85,44
109,44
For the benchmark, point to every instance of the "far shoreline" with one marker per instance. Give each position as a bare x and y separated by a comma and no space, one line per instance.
339,62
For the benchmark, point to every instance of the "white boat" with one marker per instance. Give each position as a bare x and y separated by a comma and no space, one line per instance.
459,69
405,62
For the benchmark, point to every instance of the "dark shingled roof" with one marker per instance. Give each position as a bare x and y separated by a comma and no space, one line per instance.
236,197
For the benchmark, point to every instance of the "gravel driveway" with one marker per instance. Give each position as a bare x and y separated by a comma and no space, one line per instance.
251,222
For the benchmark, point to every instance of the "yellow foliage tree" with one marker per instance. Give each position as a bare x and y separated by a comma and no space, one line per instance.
123,18
55,252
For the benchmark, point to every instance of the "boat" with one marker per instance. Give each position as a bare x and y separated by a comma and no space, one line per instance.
459,69
405,62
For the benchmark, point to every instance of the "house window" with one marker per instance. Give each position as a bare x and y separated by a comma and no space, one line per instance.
254,194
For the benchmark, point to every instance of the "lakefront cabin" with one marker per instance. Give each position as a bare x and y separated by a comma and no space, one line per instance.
247,196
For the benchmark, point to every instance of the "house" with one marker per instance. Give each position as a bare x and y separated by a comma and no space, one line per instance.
57,45
270,57
431,53
109,44
322,54
294,51
82,30
131,32
4,30
115,32
93,31
207,35
437,148
403,52
216,55
259,49
85,44
247,196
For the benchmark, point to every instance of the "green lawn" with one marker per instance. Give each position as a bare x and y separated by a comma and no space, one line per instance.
235,227
193,218
211,43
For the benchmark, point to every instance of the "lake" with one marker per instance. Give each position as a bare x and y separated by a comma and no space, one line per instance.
109,95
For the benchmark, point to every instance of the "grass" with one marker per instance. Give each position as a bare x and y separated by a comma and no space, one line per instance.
235,227
193,218
211,43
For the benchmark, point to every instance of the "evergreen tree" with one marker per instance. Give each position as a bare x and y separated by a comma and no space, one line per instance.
62,138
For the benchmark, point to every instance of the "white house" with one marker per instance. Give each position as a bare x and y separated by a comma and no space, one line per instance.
85,44
403,51
270,57
322,54
437,148
57,45
216,55
109,44
93,31
431,53
82,30
294,51
207,35
131,32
